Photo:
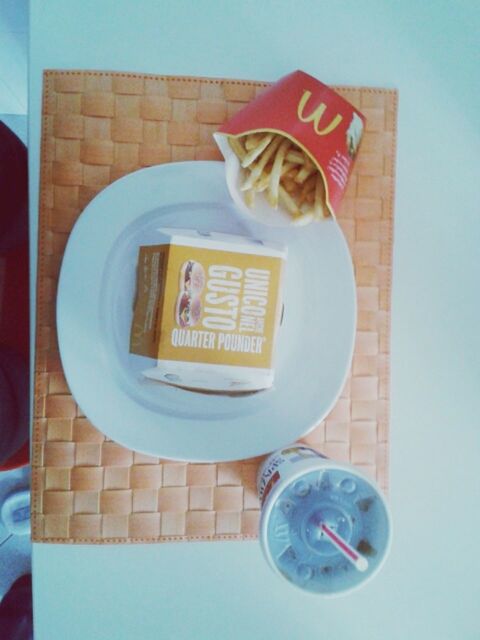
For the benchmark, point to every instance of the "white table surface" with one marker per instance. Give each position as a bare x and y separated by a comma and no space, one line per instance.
429,587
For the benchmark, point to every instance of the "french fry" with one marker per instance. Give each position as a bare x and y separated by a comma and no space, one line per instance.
273,186
309,184
252,140
262,182
261,164
289,202
237,148
288,184
305,172
291,173
256,151
318,209
307,187
286,168
296,156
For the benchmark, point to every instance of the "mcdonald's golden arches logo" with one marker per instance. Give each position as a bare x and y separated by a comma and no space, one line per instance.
316,115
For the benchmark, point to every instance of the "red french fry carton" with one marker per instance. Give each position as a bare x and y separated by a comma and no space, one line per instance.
313,117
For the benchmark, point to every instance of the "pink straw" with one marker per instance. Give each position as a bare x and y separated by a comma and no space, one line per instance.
359,561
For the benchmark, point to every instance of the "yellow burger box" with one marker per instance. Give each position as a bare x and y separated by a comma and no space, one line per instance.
208,309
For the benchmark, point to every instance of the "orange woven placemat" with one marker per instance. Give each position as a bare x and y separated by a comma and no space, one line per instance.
98,126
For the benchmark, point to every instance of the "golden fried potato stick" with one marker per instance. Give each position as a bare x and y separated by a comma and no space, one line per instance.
289,202
272,193
319,210
257,170
309,184
307,197
308,187
300,216
296,156
292,173
256,151
287,168
252,140
262,182
237,148
305,172
289,185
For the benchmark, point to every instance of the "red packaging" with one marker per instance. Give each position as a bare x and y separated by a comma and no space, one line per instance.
314,117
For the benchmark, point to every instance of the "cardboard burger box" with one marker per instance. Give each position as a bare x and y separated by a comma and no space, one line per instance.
208,310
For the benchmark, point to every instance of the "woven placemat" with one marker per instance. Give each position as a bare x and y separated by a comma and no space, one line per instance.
97,127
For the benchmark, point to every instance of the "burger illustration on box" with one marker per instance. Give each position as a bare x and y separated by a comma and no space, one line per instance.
189,305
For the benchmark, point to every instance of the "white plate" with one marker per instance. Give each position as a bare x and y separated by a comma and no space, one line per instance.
94,312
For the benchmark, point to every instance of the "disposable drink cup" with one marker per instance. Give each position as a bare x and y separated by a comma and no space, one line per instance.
324,525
